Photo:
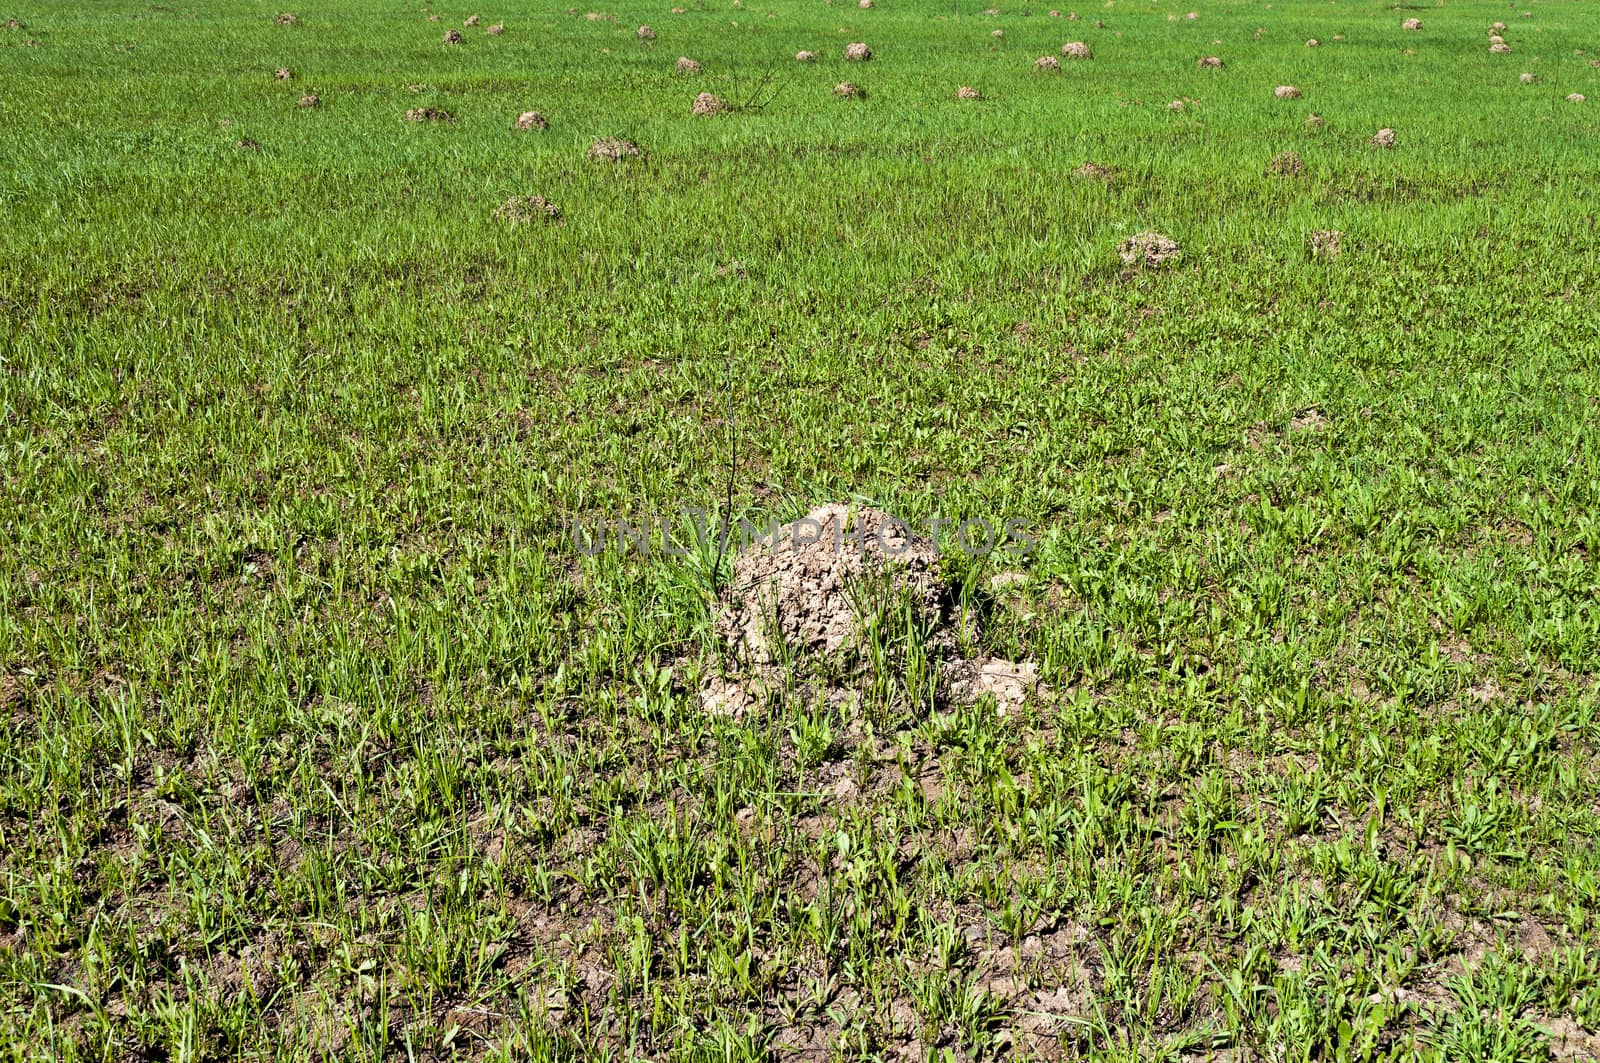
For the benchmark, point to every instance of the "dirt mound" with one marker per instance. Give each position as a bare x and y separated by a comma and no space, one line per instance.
1095,171
1148,250
429,114
1286,92
1312,42
246,144
1324,243
1576,97
1286,164
1076,50
1411,24
1498,27
645,33
792,592
283,73
310,99
805,57
967,92
288,18
1047,63
1176,105
705,105
865,5
1526,79
849,90
820,589
687,66
472,20
1210,62
1499,48
496,30
1383,138
530,120
452,37
997,34
614,149
857,52
1315,121
519,210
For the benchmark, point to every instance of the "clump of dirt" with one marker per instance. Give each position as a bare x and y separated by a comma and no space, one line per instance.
531,120
808,591
429,114
805,57
1055,14
1076,50
1047,63
865,4
645,33
1526,79
1312,42
857,52
496,30
614,149
287,18
1315,121
1383,138
1499,48
1210,62
519,210
310,99
1192,16
1497,27
1008,682
997,34
1411,24
471,21
967,92
1286,92
1495,38
283,73
706,105
1324,243
1176,105
1095,171
1576,97
849,90
1148,250
687,65
791,591
246,144
1286,164
452,37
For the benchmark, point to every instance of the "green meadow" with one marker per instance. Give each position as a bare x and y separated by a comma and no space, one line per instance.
321,738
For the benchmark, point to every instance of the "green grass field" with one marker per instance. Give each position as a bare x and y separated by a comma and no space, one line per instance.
322,739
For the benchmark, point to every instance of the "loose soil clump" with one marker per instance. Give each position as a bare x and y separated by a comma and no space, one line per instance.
706,105
1076,50
1383,138
849,90
645,33
614,149
452,37
967,92
1148,250
857,52
1324,243
519,210
1047,64
687,65
530,120
1210,62
1412,24
429,114
1286,164
1286,92
310,100
805,57
288,18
